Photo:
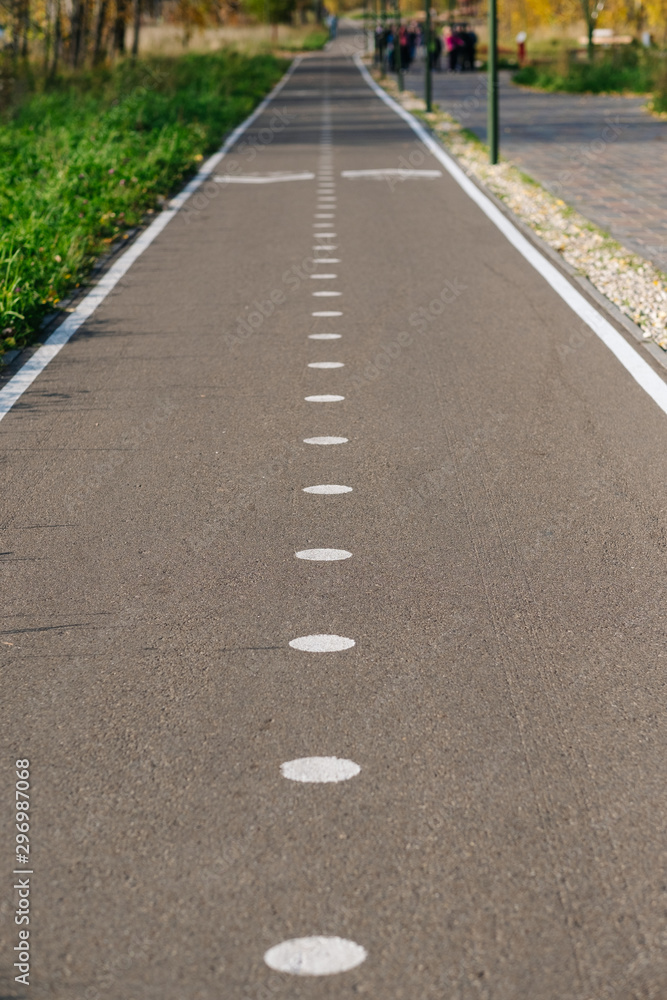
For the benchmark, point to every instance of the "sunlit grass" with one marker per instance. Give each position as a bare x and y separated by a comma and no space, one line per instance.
82,162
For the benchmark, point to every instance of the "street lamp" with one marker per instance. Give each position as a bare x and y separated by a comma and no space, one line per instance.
427,61
398,66
492,117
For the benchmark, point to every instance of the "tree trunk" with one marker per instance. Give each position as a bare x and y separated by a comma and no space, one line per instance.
119,28
25,17
16,29
78,25
57,40
137,26
98,52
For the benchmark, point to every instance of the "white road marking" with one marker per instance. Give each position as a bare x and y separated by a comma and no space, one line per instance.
401,172
326,314
319,769
327,249
316,276
324,336
322,643
326,364
324,399
624,352
327,488
16,386
323,555
326,295
326,260
325,440
324,215
315,956
272,178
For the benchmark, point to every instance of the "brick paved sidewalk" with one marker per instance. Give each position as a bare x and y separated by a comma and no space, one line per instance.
601,154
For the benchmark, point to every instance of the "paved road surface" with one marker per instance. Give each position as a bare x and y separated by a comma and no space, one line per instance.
603,154
505,696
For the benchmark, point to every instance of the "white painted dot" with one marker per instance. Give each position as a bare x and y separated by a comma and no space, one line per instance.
319,770
325,440
321,276
326,314
323,555
327,489
324,399
322,643
326,364
327,295
315,956
324,336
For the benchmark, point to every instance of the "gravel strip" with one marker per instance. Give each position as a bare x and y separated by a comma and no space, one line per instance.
633,284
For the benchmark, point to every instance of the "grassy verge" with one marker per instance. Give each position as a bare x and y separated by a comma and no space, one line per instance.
620,70
315,39
84,160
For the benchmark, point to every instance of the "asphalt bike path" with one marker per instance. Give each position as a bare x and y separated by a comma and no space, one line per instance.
324,696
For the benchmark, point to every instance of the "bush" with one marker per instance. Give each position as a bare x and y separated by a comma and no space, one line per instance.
82,160
660,93
618,70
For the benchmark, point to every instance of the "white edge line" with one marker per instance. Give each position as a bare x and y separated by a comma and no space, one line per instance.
640,370
26,375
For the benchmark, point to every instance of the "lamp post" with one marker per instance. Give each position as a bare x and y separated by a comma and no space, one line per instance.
383,36
492,117
398,66
427,59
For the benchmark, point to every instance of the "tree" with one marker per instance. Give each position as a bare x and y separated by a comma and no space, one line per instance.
591,10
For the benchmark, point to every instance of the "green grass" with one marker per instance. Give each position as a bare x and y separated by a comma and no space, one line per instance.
621,70
82,162
314,40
